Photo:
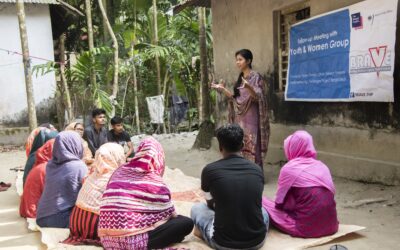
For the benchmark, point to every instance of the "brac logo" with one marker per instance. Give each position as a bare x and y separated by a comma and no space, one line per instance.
378,55
356,21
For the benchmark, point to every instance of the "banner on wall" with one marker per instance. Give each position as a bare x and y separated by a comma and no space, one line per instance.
345,55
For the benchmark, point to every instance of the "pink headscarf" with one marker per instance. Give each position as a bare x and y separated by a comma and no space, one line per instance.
136,199
302,170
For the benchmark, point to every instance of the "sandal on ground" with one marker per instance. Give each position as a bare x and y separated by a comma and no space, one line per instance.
3,184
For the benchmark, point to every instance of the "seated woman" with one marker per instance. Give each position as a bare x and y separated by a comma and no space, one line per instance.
85,216
64,175
304,205
87,154
34,185
136,211
40,139
34,133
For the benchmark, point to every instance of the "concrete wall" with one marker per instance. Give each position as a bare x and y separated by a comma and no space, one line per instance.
357,140
13,136
365,155
12,84
241,24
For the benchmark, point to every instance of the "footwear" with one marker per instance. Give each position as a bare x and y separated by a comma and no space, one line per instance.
3,184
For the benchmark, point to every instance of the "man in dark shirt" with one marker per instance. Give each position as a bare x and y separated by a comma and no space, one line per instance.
233,217
96,134
118,135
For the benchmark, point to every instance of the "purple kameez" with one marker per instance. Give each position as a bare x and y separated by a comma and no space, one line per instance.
251,114
304,205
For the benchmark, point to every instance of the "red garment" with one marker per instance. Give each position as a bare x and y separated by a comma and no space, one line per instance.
83,228
34,184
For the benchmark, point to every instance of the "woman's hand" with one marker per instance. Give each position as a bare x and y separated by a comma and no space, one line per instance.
245,84
219,86
216,86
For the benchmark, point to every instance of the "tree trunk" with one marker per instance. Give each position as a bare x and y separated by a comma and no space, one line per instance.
165,94
199,94
155,42
115,47
135,89
205,95
206,131
64,83
135,82
60,108
124,97
88,10
106,35
27,65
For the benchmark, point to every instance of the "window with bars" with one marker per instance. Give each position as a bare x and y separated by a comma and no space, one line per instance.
284,18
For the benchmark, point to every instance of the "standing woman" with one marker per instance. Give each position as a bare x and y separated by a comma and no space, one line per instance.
248,107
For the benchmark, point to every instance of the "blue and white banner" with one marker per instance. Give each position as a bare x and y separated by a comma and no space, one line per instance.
345,55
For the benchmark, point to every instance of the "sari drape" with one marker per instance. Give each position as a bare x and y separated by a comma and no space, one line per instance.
251,113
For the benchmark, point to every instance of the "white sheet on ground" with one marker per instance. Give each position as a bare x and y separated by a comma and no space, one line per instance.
179,182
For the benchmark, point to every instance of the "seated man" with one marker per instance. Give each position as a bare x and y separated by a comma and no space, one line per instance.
118,135
96,134
233,217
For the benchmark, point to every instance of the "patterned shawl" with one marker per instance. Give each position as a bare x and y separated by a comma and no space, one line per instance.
136,199
108,158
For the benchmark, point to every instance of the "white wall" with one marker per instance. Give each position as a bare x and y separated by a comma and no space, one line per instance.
12,83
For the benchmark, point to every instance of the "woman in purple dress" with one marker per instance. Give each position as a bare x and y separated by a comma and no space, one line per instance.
248,107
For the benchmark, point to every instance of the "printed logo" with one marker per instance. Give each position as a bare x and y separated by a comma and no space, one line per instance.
375,59
378,55
356,21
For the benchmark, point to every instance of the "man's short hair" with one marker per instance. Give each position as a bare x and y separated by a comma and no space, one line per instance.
116,120
97,112
230,137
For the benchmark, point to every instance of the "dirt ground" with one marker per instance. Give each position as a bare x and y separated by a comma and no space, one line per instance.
382,220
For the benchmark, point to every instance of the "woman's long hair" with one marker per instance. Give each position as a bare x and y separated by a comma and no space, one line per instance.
246,54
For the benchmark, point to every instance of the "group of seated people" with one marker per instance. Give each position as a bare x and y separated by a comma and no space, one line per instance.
119,200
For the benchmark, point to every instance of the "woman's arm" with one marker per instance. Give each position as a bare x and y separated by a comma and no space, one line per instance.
226,92
221,89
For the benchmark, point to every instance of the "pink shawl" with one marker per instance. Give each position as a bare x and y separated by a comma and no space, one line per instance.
136,199
302,170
